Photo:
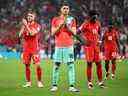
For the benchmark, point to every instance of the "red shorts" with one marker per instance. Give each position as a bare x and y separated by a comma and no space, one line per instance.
92,53
110,52
28,56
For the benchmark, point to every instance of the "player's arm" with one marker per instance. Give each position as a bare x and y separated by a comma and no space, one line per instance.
34,31
54,28
74,32
80,31
72,28
31,31
82,28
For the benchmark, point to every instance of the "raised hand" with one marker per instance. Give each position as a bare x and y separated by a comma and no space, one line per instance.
24,21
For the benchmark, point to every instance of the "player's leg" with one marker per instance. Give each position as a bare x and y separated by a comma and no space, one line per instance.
68,57
114,54
57,57
89,75
71,73
97,60
55,76
36,60
113,68
107,69
27,75
107,54
71,76
99,75
27,61
99,71
89,52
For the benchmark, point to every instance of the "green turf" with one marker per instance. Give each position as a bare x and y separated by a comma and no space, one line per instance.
12,78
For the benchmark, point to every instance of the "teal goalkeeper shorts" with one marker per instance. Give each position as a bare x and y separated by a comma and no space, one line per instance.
64,54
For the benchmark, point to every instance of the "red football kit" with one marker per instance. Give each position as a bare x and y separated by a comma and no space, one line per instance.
110,49
31,45
63,38
91,34
110,44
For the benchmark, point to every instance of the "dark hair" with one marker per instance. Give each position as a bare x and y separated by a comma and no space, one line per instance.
27,12
31,11
92,13
64,3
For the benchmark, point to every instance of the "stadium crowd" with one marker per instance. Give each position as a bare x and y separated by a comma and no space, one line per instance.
11,13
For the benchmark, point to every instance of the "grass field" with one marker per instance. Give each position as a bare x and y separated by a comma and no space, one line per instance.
12,78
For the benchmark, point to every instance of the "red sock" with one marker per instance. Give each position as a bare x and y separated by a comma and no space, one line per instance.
89,71
99,71
27,73
113,66
39,73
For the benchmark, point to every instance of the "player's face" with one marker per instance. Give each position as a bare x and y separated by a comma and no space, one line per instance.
110,28
94,18
30,17
65,10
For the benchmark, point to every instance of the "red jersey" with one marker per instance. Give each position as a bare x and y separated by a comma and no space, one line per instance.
31,43
110,38
63,38
91,32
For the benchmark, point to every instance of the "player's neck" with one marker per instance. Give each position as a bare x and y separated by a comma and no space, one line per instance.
63,16
93,22
31,22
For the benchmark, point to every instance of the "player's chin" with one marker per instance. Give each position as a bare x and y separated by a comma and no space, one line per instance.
28,21
65,13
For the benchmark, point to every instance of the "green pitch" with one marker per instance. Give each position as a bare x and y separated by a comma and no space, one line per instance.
12,79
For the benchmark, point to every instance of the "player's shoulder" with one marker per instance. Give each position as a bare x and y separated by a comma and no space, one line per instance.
86,22
83,25
115,31
106,30
55,18
36,24
98,22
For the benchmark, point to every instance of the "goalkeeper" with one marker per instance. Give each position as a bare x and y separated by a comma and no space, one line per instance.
63,27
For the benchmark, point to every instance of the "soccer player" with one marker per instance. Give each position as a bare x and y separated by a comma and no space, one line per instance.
90,31
110,49
63,26
29,32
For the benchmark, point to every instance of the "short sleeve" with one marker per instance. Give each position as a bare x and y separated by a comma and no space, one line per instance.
53,22
81,28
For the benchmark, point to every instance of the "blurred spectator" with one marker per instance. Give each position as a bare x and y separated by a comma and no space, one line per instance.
11,10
